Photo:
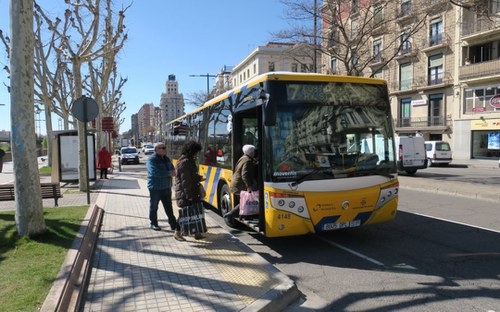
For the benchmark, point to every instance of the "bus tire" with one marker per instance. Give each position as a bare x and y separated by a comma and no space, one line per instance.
225,205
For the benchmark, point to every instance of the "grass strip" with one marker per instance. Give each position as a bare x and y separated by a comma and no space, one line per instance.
29,266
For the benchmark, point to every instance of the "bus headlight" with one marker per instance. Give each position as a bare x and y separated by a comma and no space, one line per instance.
386,194
291,203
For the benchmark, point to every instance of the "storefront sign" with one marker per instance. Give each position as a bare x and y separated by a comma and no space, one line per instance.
495,101
485,124
418,102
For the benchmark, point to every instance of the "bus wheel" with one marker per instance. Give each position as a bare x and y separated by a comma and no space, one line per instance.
226,205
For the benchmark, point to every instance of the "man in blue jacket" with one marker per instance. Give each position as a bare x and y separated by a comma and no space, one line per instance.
160,173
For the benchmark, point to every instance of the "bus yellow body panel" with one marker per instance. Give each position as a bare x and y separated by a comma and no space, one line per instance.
326,210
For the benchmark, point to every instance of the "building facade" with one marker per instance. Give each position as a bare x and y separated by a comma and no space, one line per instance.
274,56
441,74
171,103
145,120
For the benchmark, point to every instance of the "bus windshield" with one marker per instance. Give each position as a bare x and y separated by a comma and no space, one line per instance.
331,130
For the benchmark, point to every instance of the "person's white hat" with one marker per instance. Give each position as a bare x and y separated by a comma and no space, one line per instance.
249,149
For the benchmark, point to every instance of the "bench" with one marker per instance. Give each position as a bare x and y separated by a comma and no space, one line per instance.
49,190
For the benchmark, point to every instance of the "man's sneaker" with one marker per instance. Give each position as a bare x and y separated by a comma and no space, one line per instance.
199,236
155,227
178,236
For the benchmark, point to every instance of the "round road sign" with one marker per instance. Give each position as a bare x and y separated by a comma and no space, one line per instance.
85,109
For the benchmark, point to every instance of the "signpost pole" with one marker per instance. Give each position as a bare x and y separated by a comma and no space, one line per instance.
86,150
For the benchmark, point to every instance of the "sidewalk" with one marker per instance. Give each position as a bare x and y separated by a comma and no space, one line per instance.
138,269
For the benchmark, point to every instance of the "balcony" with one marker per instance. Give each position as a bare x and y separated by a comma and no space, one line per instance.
478,71
433,43
421,83
425,122
478,27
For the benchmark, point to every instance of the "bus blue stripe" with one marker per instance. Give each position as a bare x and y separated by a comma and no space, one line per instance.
207,177
363,216
214,185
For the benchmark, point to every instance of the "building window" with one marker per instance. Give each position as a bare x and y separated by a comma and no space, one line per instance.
436,32
495,6
477,100
303,68
436,69
377,50
271,66
405,76
295,67
378,17
354,28
405,8
248,73
405,38
405,112
435,110
355,6
254,68
333,66
379,73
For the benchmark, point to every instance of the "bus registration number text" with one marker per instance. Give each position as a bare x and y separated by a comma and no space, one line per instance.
341,225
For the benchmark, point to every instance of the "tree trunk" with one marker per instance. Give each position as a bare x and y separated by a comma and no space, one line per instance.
82,164
48,126
29,208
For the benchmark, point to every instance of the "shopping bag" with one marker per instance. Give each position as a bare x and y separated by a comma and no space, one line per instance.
192,219
249,203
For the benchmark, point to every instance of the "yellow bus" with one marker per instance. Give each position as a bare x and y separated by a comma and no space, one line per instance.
325,146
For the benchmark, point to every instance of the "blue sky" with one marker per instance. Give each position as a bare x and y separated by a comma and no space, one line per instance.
175,37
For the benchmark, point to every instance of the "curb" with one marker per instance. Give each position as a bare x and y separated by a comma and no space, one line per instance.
70,285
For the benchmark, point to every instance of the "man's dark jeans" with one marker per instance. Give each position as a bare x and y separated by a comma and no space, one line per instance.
165,196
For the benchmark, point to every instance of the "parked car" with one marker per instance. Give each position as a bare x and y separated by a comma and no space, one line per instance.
438,152
411,154
129,155
148,149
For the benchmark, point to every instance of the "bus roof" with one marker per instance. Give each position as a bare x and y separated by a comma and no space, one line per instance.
285,76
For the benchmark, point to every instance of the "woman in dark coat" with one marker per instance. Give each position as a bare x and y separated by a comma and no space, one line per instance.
187,179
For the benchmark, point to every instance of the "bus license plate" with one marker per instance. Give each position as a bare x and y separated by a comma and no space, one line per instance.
341,225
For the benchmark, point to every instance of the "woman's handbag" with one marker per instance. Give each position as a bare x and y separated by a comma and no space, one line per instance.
249,203
192,219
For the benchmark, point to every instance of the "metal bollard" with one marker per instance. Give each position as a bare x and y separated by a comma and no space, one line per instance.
119,164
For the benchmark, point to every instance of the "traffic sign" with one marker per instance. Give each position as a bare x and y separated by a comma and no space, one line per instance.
85,109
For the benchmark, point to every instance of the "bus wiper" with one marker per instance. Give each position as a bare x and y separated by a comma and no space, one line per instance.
302,178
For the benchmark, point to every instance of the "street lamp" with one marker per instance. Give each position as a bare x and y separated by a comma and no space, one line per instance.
208,76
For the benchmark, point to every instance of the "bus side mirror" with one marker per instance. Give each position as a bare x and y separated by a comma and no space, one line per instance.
269,109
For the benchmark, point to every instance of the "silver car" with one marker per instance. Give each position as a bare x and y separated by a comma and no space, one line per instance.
129,155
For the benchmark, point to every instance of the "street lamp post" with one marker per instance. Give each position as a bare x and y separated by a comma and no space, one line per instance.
208,77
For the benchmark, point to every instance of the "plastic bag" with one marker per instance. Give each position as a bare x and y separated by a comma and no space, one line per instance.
249,203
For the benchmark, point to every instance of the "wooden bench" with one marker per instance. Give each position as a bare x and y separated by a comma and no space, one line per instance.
49,190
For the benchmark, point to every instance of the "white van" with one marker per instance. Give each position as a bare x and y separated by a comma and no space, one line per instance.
411,154
438,152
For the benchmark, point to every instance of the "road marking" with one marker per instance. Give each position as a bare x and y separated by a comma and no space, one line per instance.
351,251
451,221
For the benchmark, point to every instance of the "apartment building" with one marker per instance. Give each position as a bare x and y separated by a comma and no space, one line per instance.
145,120
477,116
274,56
171,103
424,50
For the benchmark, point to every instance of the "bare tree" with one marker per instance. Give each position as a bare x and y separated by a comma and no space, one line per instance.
197,99
81,42
29,208
349,28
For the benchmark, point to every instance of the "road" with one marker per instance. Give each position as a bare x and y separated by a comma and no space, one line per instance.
440,254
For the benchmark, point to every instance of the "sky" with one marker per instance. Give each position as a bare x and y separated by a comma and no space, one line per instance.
166,37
